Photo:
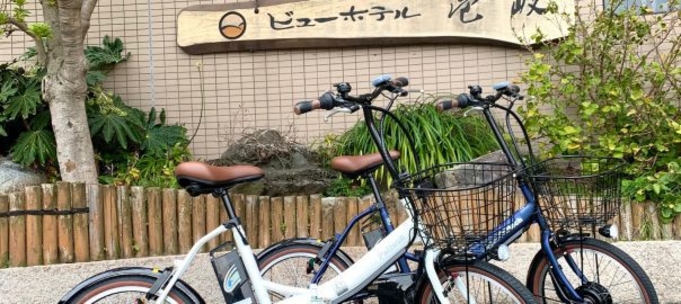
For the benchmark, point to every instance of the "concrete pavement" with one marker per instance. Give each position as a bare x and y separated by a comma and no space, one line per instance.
46,284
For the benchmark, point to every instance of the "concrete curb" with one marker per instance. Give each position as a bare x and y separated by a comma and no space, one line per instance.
47,284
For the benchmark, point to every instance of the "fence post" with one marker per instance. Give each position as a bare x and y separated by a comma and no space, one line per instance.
251,221
264,233
316,216
17,230
199,219
81,241
303,219
352,206
111,241
65,223
276,218
125,222
327,223
140,220
534,233
637,217
4,231
290,217
155,214
184,218
170,221
212,219
96,218
34,227
625,221
340,216
653,216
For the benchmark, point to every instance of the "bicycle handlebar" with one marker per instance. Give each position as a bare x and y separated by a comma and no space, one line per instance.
475,96
329,100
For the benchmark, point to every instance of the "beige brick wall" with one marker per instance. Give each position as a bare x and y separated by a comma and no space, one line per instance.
252,90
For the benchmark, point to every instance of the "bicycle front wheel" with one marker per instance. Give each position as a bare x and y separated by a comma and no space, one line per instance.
477,282
125,289
612,276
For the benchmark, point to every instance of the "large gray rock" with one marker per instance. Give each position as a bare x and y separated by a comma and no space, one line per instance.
13,177
469,174
290,168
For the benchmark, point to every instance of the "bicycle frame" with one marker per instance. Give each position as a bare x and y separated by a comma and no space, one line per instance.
338,289
521,220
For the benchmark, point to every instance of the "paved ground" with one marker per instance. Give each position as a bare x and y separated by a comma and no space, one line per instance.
46,284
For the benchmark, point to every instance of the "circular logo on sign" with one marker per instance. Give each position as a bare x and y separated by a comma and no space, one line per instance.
232,25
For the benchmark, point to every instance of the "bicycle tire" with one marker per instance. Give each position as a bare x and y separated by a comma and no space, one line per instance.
115,286
538,276
492,276
302,253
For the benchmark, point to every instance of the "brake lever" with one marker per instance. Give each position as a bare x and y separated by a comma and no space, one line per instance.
465,114
336,111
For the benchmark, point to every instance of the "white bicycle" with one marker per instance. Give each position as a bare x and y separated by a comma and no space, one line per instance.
440,278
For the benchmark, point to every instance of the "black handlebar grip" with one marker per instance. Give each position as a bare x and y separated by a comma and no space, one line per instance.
326,101
303,107
461,101
400,82
445,105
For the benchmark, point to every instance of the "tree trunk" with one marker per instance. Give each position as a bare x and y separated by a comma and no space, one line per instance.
74,145
64,88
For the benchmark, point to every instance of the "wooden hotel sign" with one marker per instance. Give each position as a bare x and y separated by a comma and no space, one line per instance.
276,24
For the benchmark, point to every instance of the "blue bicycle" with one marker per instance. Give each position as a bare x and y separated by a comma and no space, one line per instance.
570,198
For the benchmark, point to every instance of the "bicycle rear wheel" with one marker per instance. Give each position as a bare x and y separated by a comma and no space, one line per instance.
612,275
478,282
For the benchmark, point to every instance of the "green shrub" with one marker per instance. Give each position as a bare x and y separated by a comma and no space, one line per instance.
614,85
131,147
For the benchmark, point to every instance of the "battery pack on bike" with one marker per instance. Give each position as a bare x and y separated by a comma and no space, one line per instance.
231,274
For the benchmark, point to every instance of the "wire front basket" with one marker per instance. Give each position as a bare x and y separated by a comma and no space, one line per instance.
463,205
577,192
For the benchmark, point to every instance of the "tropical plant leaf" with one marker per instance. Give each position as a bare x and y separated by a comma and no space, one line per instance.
93,78
111,52
35,146
25,103
110,125
7,91
161,137
2,129
41,121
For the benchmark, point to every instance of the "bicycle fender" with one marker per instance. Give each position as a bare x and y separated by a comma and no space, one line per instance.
306,241
127,271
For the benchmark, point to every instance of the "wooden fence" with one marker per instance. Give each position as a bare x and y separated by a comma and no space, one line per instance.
52,224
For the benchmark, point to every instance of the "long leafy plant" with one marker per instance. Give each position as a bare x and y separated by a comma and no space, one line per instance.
438,138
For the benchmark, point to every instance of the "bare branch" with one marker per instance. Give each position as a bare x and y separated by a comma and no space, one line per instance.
39,46
22,26
86,13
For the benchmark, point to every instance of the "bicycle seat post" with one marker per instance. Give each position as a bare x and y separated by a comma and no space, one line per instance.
222,193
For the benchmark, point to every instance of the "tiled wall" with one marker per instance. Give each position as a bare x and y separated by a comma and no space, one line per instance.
253,90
